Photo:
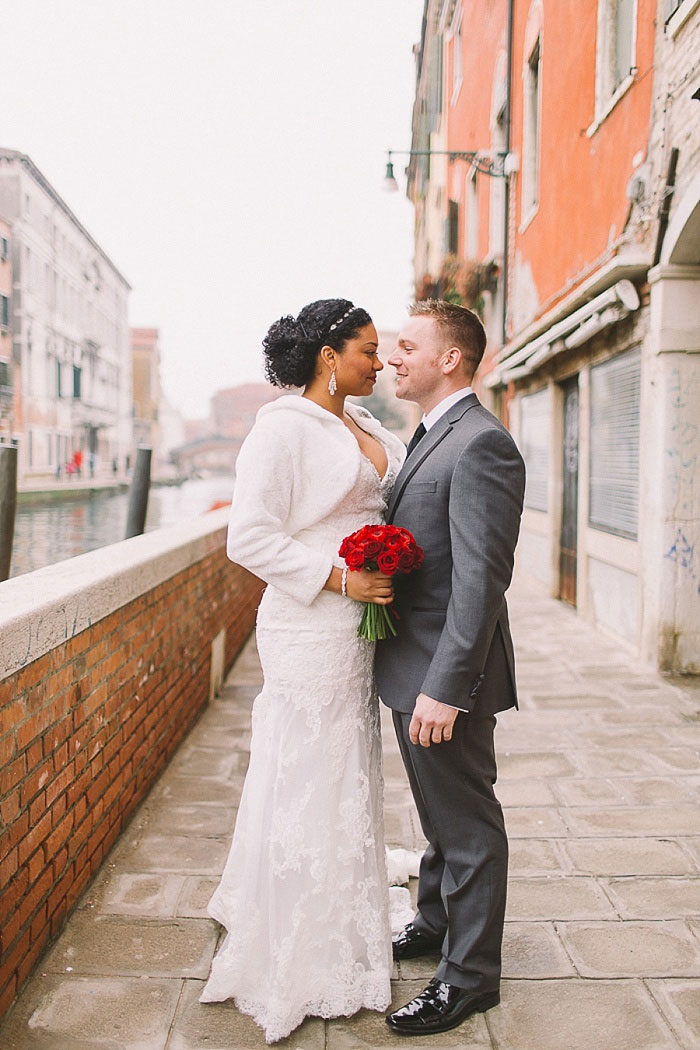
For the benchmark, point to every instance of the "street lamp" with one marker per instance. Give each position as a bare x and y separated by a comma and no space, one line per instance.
498,165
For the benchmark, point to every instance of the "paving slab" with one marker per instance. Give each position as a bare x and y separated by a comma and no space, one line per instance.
534,950
190,790
196,893
193,854
617,856
681,819
532,856
631,949
151,895
87,1013
557,897
220,1026
531,791
535,822
680,1002
578,1015
514,765
645,897
163,815
102,944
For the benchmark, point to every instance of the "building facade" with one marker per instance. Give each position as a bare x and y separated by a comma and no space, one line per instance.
69,331
572,226
145,364
9,406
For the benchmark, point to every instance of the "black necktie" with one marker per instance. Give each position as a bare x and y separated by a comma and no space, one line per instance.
420,432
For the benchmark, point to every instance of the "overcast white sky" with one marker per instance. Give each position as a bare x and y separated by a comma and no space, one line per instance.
227,155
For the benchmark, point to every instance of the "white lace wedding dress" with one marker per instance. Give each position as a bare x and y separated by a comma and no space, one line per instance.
304,895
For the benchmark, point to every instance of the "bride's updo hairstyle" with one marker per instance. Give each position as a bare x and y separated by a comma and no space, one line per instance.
292,345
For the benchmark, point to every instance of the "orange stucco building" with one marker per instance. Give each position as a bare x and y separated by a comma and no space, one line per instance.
555,178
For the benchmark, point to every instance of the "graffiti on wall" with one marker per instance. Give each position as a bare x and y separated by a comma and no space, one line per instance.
682,462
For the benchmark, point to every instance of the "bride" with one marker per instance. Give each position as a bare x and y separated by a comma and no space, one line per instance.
304,895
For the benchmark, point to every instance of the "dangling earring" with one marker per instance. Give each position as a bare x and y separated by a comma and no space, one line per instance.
332,385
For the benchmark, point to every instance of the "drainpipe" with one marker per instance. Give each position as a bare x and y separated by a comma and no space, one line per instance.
666,204
506,205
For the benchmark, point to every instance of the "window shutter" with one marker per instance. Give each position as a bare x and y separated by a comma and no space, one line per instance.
453,227
614,461
535,426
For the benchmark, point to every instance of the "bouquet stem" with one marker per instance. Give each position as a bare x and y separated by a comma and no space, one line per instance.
376,624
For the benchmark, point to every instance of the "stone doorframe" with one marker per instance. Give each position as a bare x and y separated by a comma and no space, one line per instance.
670,452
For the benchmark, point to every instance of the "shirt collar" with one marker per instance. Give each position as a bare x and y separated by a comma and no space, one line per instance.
431,418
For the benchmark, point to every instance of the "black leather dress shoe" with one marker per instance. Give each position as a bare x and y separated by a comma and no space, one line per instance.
411,943
438,1008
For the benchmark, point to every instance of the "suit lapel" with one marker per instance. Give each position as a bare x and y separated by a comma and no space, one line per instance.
423,449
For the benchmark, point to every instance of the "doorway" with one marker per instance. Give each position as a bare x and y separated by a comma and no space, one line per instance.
568,538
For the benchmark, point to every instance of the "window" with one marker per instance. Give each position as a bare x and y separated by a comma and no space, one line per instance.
58,379
472,241
452,228
4,310
435,84
5,374
456,63
624,41
615,62
614,457
496,188
4,249
77,376
531,133
535,425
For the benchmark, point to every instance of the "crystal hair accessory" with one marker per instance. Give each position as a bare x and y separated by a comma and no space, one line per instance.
343,318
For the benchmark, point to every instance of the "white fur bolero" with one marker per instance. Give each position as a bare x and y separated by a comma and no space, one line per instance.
296,465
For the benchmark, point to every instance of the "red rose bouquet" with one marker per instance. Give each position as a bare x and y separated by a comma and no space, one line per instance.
380,548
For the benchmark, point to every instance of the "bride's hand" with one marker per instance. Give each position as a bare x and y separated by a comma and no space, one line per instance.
366,586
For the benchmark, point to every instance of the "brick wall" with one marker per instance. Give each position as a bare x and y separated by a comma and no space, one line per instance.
85,730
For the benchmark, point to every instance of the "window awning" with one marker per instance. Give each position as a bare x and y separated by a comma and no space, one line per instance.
611,306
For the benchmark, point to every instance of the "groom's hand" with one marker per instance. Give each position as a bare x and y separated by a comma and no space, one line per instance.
432,721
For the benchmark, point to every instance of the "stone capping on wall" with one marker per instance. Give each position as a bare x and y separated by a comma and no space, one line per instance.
42,609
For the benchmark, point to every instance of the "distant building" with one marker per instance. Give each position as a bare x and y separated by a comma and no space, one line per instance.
573,226
172,432
9,407
69,331
145,364
212,446
234,409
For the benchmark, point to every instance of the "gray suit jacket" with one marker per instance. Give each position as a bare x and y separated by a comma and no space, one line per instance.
460,492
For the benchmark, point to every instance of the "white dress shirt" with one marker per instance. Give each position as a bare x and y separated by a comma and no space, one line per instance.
431,417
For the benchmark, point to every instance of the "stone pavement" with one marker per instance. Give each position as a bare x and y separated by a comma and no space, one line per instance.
600,778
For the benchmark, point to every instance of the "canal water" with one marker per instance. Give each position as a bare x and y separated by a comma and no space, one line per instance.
49,533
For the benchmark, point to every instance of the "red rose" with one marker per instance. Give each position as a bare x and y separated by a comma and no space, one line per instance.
406,561
355,559
372,548
388,562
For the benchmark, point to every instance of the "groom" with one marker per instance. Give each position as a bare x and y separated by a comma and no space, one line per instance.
451,668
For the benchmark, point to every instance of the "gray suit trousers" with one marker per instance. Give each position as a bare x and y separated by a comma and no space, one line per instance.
463,873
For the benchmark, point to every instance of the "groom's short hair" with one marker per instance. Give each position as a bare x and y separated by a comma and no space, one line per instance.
461,326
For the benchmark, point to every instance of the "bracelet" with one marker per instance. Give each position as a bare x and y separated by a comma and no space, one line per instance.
344,582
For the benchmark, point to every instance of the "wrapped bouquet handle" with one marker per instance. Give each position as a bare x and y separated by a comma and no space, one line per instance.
380,548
